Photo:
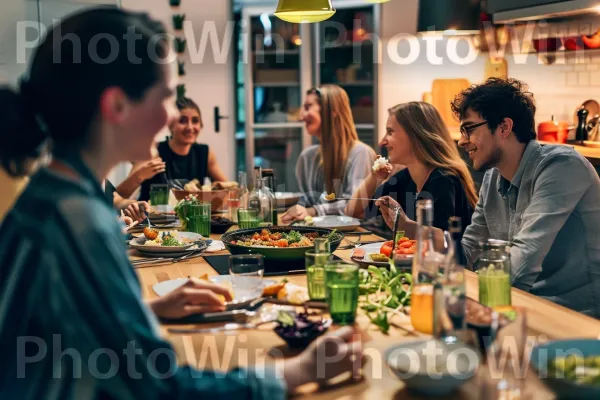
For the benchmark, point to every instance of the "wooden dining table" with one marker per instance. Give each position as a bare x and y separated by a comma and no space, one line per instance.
224,351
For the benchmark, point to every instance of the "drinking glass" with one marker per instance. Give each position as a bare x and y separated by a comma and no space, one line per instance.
246,275
494,269
199,219
341,291
233,203
248,218
508,355
159,194
315,268
450,308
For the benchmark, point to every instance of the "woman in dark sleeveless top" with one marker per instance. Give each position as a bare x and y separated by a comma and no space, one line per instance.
184,158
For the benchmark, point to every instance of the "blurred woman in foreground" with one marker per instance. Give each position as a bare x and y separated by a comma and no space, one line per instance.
65,273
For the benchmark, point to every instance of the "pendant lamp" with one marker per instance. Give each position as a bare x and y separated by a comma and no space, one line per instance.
301,11
454,17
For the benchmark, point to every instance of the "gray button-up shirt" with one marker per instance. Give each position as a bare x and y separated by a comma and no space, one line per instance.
550,213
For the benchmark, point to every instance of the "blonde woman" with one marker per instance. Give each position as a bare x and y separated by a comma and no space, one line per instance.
338,164
417,137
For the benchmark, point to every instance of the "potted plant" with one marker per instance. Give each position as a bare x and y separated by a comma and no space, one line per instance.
175,3
180,45
181,68
183,207
178,21
181,91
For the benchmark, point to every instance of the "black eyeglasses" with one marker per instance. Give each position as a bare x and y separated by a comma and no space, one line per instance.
465,131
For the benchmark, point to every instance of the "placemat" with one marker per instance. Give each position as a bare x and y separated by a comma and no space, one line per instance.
272,268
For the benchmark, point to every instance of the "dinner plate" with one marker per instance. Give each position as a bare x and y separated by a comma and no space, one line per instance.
138,244
287,199
339,222
373,248
166,287
163,209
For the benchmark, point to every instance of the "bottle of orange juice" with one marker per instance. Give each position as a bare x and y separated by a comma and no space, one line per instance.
426,263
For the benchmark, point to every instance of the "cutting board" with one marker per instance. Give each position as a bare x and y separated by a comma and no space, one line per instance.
496,67
443,91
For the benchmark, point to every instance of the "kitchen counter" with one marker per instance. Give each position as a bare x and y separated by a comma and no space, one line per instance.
591,153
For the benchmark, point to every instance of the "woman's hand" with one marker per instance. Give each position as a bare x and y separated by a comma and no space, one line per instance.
297,213
148,169
388,207
194,297
326,358
137,211
384,172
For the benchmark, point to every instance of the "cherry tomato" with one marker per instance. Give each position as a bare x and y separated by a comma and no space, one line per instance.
386,248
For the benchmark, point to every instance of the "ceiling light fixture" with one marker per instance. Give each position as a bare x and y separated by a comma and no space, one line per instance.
304,11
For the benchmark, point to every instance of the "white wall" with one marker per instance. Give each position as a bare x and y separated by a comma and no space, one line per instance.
11,13
558,89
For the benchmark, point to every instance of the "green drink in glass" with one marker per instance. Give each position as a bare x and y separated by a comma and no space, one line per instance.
159,194
198,218
341,291
248,218
494,287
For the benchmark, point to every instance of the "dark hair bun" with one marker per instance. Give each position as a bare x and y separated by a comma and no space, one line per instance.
20,135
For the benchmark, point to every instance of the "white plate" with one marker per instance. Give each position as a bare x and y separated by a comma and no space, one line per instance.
163,209
167,287
373,248
339,222
138,244
287,199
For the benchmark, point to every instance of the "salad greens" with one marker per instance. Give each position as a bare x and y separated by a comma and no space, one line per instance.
577,369
168,240
293,237
383,291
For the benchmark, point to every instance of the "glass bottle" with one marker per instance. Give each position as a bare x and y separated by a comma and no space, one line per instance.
243,189
494,269
315,268
269,177
455,229
426,264
260,200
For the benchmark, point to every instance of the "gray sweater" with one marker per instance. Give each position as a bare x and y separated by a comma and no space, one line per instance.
311,178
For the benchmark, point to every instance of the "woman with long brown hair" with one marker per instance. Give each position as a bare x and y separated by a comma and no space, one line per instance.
338,164
417,137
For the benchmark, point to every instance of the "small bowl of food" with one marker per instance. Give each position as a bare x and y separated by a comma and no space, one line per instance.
433,367
299,330
220,225
571,368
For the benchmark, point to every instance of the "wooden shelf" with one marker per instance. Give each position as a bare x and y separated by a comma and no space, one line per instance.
277,84
591,153
356,84
348,45
277,52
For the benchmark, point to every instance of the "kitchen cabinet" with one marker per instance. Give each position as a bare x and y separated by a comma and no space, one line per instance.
278,62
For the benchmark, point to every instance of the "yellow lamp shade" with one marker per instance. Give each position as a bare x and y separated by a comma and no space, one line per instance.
301,11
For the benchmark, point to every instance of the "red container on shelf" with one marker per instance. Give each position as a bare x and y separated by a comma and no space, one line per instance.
546,44
573,43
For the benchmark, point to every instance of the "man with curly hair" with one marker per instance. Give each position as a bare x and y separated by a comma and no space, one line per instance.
544,199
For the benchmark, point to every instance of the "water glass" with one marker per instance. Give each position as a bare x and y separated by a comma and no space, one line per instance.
450,312
248,218
233,203
246,276
159,194
341,291
508,356
198,219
